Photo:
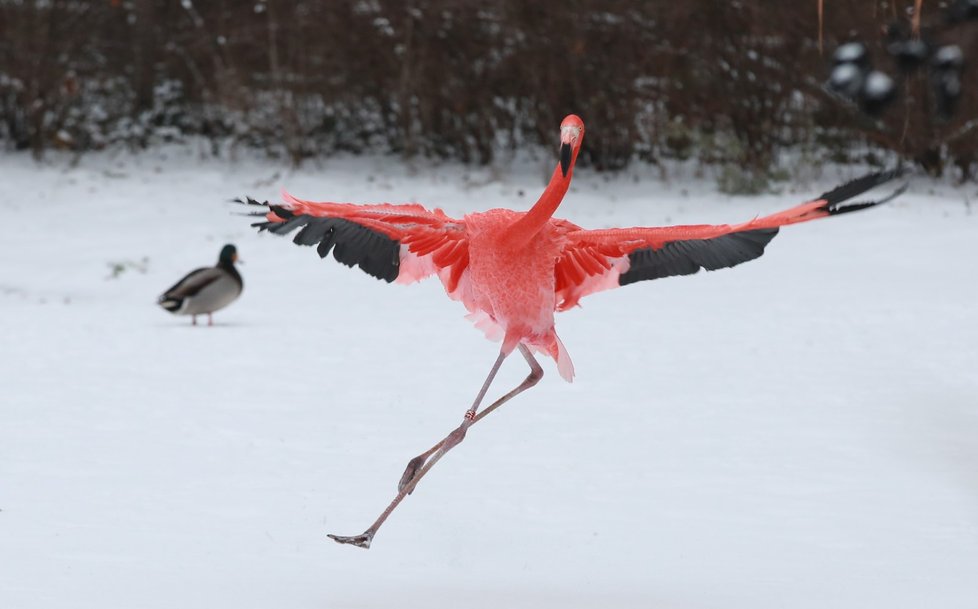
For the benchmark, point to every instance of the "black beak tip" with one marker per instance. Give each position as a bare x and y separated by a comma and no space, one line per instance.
565,158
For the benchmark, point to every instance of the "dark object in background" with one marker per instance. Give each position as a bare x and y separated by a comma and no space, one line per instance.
205,290
853,78
946,67
909,54
851,63
877,92
466,80
846,80
962,10
854,53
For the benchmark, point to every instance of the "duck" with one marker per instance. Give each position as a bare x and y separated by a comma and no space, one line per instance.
207,289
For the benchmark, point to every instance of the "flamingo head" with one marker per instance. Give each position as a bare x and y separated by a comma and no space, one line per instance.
571,136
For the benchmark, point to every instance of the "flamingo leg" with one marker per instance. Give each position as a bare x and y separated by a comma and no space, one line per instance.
536,373
422,464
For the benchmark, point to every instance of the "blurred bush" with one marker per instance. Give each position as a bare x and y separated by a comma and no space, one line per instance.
728,82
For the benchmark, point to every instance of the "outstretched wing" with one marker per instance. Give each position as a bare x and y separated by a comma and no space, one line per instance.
595,260
391,242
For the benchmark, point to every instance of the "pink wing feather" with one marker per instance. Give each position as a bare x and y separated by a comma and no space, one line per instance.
596,260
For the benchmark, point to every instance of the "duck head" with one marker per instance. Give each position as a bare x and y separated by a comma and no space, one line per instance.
229,255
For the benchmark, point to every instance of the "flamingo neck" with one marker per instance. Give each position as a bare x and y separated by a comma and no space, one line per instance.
524,229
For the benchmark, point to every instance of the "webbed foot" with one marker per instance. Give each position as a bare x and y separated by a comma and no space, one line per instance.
360,541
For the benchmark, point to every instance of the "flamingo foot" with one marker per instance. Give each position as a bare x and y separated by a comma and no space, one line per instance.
360,541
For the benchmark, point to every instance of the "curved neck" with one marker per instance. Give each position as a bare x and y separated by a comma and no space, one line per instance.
524,229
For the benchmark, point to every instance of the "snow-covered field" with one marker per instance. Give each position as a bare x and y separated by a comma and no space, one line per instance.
798,432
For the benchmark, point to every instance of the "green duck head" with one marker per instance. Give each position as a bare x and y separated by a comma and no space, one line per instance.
229,255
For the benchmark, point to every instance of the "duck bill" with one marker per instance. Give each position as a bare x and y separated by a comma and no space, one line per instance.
566,154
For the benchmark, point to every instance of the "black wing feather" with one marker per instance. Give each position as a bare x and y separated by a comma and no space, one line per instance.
686,257
352,244
689,256
311,234
853,188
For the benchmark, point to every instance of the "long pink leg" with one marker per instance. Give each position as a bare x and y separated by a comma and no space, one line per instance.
536,373
414,475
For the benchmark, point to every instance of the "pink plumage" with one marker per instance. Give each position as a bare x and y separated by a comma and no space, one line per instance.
513,270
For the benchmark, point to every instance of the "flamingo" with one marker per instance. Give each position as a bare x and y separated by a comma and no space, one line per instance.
513,270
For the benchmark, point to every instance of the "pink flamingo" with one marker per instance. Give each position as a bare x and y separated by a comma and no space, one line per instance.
512,270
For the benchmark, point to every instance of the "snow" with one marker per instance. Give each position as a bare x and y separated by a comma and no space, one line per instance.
949,56
878,85
846,78
796,432
851,52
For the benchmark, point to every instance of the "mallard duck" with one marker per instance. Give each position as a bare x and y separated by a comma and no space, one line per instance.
207,289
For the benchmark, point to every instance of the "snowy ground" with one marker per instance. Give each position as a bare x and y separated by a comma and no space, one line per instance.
797,432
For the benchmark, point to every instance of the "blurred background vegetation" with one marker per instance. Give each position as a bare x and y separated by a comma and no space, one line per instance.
726,82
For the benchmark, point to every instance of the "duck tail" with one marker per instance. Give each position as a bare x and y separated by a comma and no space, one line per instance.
170,304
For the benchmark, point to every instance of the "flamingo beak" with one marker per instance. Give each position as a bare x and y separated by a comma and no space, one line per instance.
569,138
565,157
